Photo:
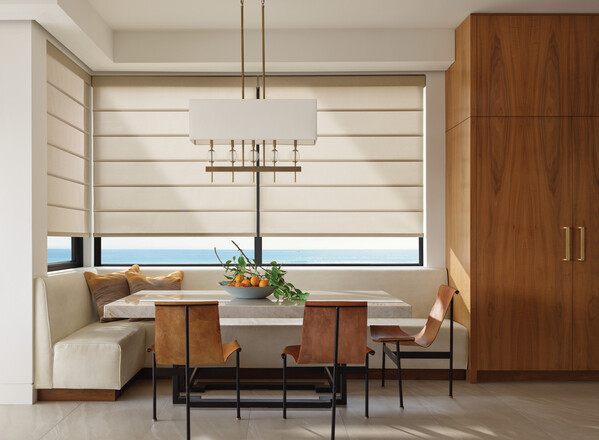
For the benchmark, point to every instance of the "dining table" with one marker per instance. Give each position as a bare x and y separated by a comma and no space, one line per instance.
140,305
266,311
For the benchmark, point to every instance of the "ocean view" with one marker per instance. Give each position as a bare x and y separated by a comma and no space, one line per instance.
205,256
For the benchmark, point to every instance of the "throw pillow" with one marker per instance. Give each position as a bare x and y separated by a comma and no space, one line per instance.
138,281
107,288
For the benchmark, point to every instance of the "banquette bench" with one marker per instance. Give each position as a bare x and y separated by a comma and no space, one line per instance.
74,351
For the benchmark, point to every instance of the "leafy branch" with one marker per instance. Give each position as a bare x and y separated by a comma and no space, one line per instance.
283,289
248,268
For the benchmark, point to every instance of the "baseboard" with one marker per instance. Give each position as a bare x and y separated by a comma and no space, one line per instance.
67,395
17,394
549,376
316,372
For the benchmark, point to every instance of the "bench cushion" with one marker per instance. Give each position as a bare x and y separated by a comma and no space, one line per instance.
99,356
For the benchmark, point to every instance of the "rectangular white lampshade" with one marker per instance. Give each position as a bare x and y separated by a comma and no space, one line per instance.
281,120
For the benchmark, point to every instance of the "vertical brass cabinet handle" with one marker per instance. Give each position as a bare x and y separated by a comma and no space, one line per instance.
582,244
568,244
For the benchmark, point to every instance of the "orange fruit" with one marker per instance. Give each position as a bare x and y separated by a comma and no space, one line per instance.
255,281
263,283
239,278
238,285
231,284
246,283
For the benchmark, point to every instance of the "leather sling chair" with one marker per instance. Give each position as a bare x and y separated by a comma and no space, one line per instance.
188,333
333,332
424,338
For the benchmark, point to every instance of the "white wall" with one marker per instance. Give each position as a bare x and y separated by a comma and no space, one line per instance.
23,200
434,170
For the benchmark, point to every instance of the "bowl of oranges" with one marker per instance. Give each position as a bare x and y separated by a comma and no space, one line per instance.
247,279
248,288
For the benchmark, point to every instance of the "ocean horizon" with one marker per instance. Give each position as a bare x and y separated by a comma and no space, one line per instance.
206,256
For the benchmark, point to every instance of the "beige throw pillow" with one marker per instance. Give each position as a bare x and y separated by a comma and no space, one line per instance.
138,282
107,288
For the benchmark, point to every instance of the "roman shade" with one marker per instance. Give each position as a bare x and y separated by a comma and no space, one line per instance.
149,179
364,176
68,128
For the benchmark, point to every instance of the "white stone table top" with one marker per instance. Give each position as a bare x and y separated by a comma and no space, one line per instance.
141,304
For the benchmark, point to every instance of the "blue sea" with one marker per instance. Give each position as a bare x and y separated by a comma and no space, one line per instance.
205,256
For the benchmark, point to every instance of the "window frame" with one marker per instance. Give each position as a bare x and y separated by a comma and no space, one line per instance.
258,243
76,257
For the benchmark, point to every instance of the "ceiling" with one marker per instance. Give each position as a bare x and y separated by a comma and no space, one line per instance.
302,36
316,14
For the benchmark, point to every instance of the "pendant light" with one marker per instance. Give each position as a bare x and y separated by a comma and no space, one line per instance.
229,122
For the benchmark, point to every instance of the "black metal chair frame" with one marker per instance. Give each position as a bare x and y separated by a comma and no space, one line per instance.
332,377
189,378
397,355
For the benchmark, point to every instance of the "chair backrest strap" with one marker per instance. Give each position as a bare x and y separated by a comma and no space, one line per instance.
334,330
435,318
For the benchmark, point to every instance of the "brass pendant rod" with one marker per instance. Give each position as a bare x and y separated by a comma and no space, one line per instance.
274,160
263,57
232,161
294,159
253,160
242,56
242,79
211,159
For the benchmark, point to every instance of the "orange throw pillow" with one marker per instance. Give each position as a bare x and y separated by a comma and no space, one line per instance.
138,281
107,288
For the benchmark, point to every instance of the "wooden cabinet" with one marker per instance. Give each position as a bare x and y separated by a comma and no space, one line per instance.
536,65
523,164
584,137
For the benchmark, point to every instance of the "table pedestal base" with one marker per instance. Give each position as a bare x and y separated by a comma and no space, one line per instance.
200,385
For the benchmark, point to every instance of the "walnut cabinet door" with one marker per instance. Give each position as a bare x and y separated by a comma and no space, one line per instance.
523,204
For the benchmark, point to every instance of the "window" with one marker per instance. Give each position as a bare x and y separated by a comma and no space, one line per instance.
170,250
64,252
68,131
359,199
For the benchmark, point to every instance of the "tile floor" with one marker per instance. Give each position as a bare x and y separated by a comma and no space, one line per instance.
504,410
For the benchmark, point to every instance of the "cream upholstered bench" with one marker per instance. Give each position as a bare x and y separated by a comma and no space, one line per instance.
74,351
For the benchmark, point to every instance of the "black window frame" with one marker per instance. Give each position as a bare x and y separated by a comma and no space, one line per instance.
258,258
76,257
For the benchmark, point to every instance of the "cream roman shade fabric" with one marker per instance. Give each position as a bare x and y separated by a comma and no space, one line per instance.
68,128
149,179
364,176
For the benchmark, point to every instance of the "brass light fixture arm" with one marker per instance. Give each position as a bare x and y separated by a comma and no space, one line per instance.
263,57
242,55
